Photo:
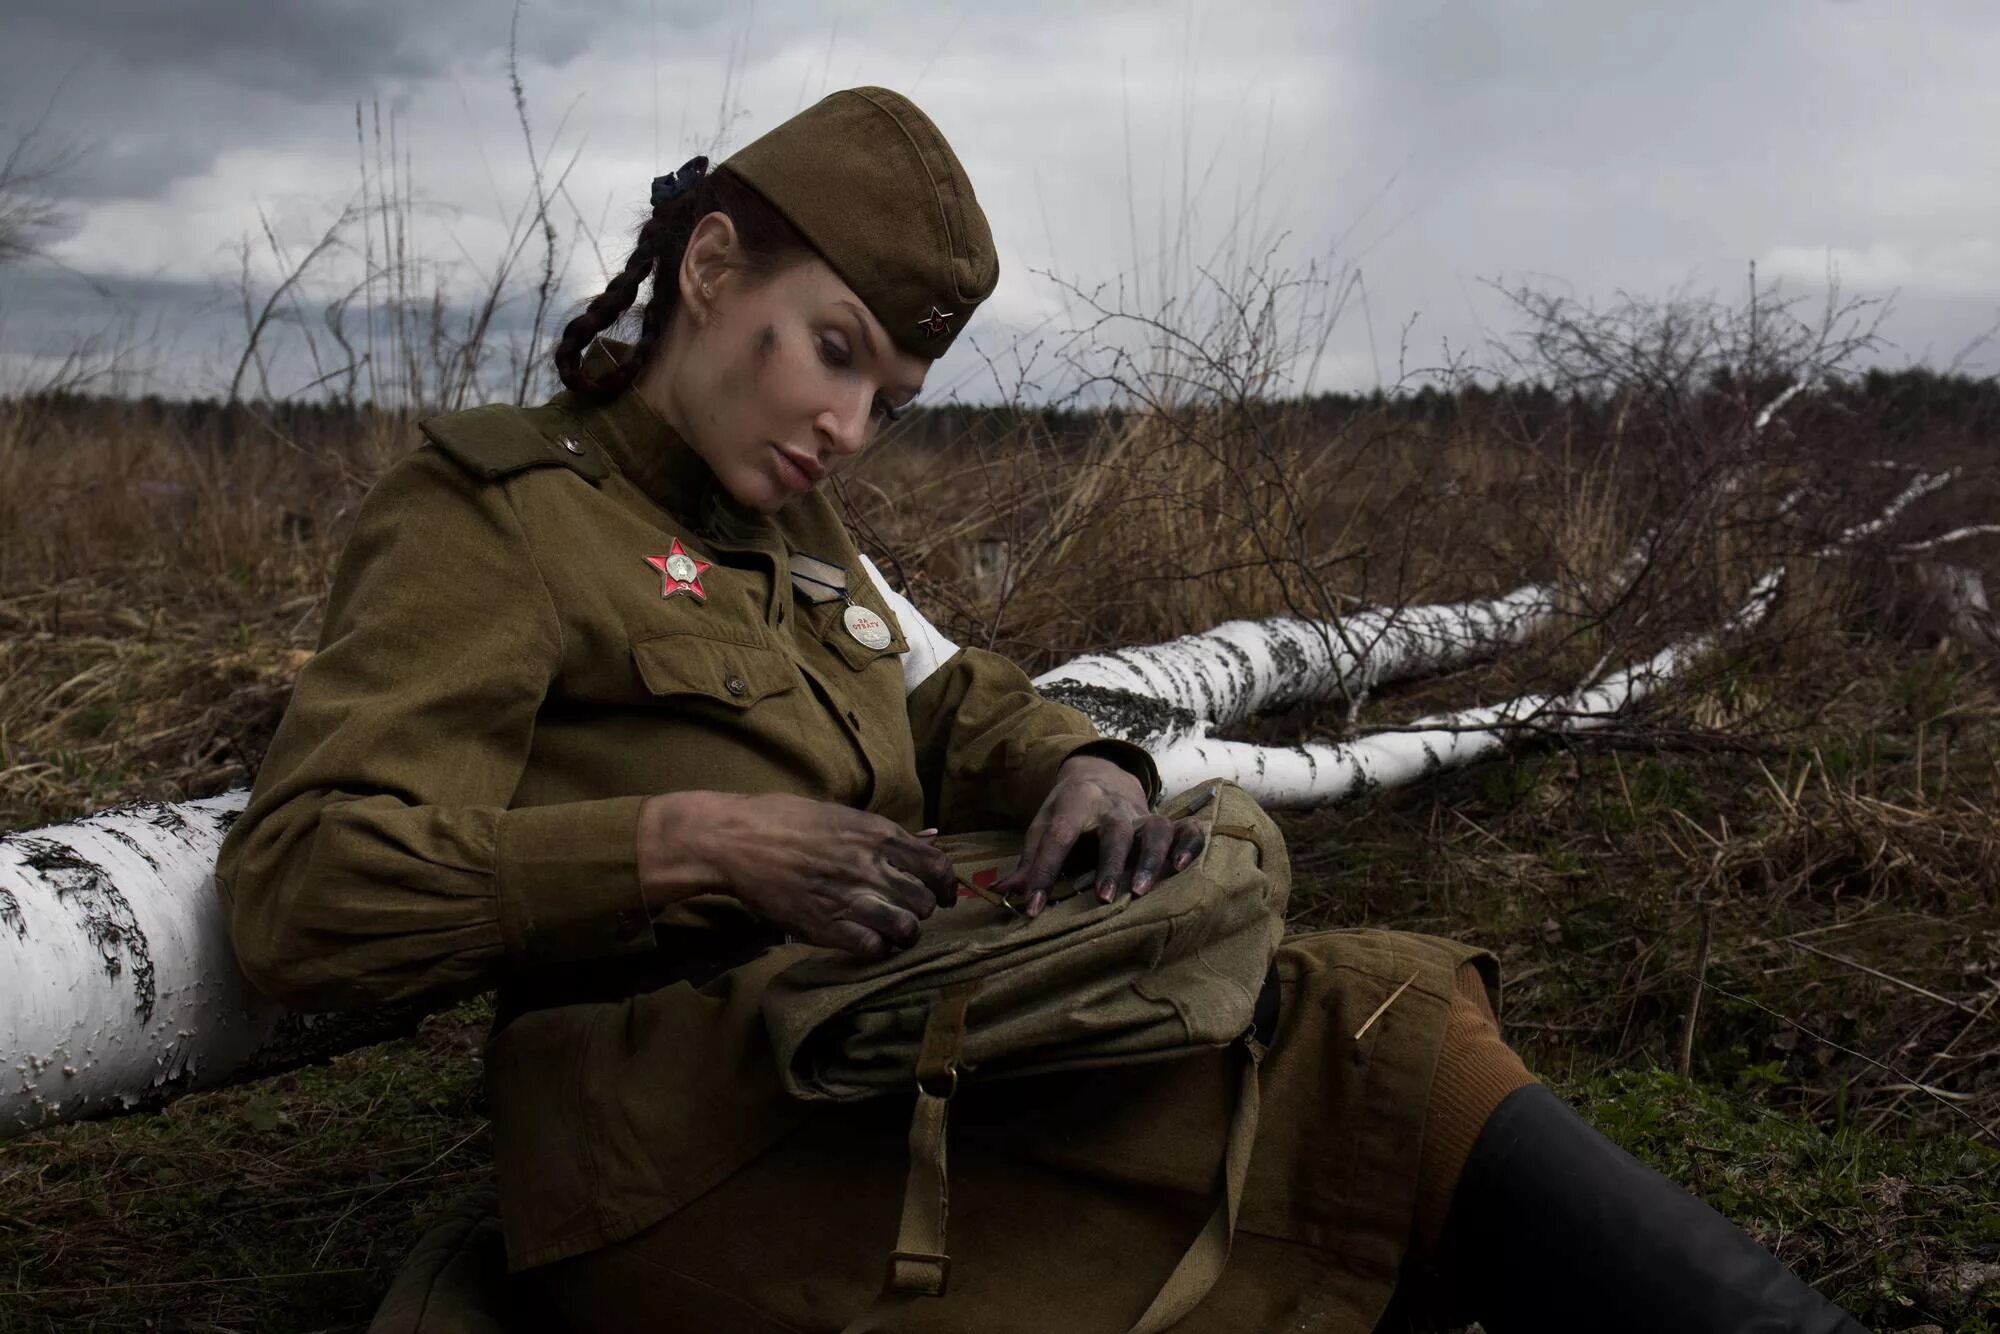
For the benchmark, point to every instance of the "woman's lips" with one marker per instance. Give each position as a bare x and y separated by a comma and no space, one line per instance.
793,476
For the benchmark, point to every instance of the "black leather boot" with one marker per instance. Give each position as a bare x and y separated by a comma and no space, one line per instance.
1555,1229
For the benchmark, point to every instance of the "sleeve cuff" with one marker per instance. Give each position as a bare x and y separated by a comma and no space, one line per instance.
567,880
1044,758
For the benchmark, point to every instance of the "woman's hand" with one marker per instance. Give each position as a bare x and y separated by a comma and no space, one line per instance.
1136,848
828,874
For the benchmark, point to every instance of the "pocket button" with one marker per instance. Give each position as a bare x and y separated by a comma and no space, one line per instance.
734,685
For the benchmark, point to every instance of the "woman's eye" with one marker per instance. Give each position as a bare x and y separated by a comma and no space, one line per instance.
834,351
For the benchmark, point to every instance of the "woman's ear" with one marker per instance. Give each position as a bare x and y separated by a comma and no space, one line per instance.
710,249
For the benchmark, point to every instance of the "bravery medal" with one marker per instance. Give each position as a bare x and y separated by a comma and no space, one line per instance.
868,629
680,572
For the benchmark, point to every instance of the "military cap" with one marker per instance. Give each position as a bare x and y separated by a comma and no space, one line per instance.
870,182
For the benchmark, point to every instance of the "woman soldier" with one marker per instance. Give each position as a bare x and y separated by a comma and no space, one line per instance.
607,704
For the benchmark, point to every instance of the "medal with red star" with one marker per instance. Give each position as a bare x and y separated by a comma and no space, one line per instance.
680,571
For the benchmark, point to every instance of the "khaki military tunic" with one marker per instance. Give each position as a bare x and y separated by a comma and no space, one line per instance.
451,804
451,801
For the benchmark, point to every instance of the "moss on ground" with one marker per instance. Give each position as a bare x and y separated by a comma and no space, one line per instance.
1902,1232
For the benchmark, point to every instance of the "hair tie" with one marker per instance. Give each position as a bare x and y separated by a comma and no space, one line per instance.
668,188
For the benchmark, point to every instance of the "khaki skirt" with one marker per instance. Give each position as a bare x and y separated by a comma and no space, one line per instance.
1073,1195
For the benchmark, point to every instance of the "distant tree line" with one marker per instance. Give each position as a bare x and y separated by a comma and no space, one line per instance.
1893,406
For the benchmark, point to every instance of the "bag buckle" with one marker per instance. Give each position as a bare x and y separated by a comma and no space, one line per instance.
939,1083
917,1274
943,1042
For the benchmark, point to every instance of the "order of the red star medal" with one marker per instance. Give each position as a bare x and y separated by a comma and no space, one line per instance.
680,571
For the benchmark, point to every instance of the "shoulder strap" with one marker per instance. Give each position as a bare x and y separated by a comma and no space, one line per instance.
499,439
1201,1264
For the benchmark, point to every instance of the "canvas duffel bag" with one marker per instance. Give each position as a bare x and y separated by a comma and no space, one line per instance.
987,993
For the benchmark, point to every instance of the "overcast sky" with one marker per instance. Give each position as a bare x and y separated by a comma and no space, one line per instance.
1439,149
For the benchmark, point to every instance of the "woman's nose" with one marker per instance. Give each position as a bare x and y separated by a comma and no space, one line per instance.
844,426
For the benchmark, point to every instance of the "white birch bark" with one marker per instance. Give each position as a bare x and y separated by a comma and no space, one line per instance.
1159,695
1316,775
120,976
118,984
1955,535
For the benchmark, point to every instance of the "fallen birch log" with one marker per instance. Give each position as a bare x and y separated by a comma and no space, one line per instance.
1161,694
121,987
1317,775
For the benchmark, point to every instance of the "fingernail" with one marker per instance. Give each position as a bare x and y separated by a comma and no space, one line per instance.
1180,862
1104,893
1141,883
925,833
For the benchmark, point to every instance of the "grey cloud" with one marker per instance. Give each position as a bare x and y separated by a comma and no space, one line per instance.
175,336
137,166
307,51
156,90
1610,146
311,49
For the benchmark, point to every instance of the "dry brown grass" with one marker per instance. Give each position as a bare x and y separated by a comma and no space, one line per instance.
1161,524
158,590
1821,797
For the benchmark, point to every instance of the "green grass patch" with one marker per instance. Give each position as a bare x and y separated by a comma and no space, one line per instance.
1901,1232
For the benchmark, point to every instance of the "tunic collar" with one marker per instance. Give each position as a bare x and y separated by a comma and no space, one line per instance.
653,456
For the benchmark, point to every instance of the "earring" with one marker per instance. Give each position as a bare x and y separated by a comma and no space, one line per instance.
708,291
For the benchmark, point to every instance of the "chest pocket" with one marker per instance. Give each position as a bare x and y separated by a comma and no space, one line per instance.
730,672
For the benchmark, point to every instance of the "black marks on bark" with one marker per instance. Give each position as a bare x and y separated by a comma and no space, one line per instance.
87,891
1122,714
306,1039
138,850
1291,660
1244,677
169,819
10,914
166,819
1364,783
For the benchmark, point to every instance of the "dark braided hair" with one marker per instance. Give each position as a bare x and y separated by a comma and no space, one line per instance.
766,241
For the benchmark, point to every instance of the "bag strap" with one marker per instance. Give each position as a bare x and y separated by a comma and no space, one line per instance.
920,1267
1201,1265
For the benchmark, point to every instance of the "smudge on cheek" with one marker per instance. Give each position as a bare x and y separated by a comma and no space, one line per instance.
739,382
761,351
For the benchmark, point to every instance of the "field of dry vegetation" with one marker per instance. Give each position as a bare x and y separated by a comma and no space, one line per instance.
1753,931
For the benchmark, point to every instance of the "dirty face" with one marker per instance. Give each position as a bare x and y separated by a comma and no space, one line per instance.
776,378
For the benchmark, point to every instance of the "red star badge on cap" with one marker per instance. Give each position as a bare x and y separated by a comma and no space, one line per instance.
681,572
937,322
